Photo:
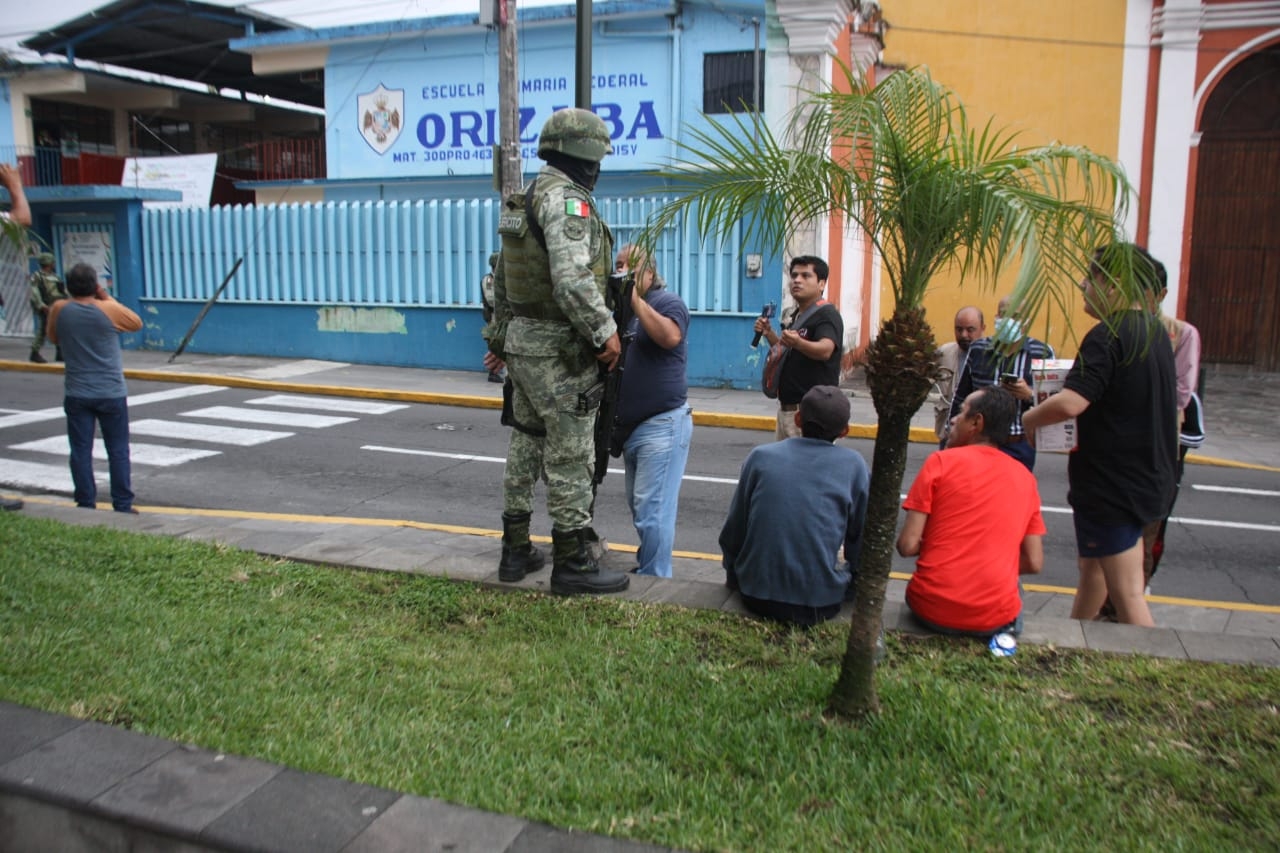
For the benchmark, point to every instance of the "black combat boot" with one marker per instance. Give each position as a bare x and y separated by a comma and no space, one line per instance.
575,572
37,358
519,557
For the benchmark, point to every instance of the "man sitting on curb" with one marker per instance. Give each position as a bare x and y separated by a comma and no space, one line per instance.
796,503
974,525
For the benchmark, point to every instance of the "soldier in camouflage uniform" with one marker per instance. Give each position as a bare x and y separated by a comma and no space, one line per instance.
552,328
46,289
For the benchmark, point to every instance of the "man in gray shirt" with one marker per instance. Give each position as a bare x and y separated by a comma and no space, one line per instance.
87,327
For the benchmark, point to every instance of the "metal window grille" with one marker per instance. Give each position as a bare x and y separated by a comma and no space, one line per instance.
727,81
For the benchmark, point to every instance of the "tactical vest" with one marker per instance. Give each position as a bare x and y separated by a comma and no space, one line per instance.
49,286
527,267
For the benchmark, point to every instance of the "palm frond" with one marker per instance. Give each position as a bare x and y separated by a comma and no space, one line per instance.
902,161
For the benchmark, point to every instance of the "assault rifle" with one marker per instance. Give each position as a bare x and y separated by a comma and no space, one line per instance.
608,438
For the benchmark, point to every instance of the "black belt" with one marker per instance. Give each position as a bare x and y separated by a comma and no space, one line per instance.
538,311
789,407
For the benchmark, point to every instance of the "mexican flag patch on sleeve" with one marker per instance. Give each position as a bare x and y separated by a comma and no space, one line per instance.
576,207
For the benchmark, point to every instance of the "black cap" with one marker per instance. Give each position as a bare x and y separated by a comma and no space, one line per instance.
827,408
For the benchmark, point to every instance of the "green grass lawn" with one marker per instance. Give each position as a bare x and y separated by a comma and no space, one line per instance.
685,728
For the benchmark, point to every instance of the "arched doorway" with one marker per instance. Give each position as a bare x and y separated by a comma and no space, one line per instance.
1233,294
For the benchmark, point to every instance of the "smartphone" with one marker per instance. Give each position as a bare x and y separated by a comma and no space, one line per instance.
1009,378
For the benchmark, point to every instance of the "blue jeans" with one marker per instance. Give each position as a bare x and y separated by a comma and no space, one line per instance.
654,457
112,414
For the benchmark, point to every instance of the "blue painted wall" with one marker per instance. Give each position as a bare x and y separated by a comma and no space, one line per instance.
447,338
410,116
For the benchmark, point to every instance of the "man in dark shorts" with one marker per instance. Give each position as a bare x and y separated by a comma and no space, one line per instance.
1122,390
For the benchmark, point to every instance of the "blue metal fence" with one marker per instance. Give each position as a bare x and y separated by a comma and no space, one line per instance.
389,253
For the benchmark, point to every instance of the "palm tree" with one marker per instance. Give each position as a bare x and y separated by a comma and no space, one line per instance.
931,192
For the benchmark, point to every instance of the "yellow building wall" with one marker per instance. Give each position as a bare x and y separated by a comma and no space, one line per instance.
1050,71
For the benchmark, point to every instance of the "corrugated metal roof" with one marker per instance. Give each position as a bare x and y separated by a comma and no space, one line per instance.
179,38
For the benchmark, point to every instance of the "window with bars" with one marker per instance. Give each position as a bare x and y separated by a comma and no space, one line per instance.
73,127
727,81
158,137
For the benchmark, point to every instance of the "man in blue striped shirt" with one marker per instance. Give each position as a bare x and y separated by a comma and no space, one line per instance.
1004,358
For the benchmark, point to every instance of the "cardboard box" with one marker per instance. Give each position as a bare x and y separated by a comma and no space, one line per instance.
1049,375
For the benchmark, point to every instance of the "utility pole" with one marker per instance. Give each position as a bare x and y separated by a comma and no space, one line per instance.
582,91
509,174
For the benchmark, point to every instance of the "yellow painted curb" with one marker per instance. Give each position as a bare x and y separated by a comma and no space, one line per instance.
1197,459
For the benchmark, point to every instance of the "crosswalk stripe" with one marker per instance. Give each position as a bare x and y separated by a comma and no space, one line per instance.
53,414
212,433
172,394
39,477
33,417
266,416
162,456
328,404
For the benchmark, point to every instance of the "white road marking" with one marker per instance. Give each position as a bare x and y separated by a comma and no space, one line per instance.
1265,493
211,433
328,404
1065,510
53,414
173,394
464,457
159,455
32,417
1195,522
39,477
266,416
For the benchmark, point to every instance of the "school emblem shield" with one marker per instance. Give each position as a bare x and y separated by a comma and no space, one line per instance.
381,115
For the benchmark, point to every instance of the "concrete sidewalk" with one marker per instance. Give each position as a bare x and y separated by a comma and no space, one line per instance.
63,781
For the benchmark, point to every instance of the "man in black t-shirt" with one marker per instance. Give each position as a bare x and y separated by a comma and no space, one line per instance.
1123,391
811,341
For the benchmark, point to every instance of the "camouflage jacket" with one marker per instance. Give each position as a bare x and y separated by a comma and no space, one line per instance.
46,289
579,251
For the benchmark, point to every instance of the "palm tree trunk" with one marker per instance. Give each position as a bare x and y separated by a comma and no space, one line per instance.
854,695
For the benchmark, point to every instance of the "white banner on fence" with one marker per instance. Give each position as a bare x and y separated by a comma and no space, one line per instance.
191,174
88,247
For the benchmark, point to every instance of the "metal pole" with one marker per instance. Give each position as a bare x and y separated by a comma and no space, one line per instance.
510,169
582,92
205,310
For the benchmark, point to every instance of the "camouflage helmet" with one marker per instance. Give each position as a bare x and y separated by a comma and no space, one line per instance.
45,259
576,132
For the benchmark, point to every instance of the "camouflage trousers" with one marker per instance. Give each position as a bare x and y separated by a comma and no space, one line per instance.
42,328
548,396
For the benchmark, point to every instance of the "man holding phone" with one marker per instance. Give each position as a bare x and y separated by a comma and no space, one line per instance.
811,338
1005,359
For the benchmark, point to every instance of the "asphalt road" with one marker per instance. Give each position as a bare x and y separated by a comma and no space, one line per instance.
444,465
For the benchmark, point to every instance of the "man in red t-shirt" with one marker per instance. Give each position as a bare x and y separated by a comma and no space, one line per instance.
974,525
